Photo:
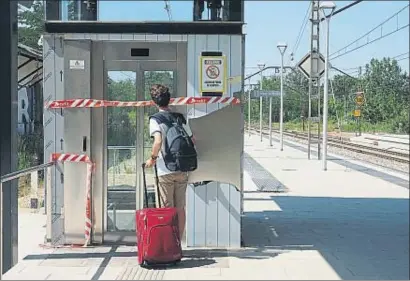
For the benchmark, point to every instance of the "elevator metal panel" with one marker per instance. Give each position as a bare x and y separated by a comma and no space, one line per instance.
98,142
53,124
225,216
201,211
58,223
157,51
215,148
77,133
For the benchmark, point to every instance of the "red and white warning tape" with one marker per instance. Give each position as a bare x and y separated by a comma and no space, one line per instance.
81,158
69,157
88,224
92,103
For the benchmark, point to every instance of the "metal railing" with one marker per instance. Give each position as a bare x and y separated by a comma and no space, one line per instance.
47,199
13,176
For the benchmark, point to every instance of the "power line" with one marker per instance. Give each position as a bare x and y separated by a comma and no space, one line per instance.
304,24
398,28
342,9
403,58
395,57
364,65
302,29
345,73
350,68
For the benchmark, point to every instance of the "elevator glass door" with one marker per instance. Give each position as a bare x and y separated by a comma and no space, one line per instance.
121,177
154,73
128,141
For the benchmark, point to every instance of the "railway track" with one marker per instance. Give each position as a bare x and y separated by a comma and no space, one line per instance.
346,144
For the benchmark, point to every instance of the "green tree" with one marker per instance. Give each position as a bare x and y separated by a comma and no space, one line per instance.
296,88
343,88
293,101
31,25
121,130
386,88
72,7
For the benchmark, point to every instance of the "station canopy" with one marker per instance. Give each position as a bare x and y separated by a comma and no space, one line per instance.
30,66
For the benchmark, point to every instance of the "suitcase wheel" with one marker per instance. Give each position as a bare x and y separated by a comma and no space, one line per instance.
144,264
176,262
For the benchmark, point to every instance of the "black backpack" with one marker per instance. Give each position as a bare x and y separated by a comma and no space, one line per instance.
180,153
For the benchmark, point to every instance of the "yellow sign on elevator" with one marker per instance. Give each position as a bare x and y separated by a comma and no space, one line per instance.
212,74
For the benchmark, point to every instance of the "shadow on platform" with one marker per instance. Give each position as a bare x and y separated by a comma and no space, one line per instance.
192,257
361,238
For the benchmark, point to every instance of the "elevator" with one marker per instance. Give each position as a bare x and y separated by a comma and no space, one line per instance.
119,62
117,139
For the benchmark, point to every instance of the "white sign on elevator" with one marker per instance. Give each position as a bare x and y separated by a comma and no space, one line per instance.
213,74
77,64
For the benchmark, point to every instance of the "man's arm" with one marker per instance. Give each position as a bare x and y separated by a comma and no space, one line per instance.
157,144
155,133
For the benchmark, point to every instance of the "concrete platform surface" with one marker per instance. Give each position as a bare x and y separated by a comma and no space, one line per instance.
344,223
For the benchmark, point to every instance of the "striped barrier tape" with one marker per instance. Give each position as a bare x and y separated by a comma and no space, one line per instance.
68,157
81,158
93,103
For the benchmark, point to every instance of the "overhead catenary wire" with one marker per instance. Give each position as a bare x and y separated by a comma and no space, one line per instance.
342,9
301,29
339,53
351,70
305,20
403,54
403,58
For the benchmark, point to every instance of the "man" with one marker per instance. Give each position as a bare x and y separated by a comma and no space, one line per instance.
172,185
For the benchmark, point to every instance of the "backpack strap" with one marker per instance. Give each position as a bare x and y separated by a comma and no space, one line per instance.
168,118
162,118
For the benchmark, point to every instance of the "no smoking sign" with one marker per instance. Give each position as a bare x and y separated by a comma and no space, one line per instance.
213,74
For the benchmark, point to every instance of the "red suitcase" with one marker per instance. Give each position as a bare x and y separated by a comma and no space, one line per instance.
157,232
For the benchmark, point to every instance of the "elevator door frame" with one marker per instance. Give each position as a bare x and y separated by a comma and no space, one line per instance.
139,67
144,66
113,65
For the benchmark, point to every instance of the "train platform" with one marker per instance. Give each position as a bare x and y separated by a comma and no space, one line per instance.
300,222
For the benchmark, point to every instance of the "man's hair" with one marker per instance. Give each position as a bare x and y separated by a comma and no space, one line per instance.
160,95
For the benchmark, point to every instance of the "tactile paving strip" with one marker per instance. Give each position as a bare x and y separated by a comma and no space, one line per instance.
139,273
264,181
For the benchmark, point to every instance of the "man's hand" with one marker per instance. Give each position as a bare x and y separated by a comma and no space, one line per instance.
149,163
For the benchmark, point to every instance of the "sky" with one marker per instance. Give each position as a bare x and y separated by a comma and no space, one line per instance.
270,22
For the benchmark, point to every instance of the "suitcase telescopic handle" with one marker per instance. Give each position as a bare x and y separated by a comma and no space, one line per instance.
144,178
